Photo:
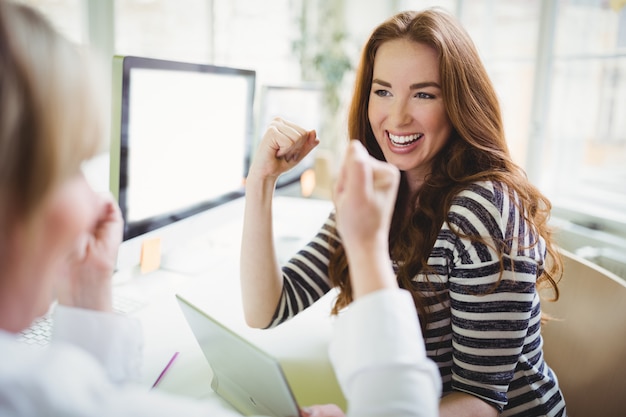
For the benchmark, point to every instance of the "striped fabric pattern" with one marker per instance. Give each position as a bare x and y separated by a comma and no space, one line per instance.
484,324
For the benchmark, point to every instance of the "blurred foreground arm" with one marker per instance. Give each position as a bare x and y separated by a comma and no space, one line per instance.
364,198
84,315
377,349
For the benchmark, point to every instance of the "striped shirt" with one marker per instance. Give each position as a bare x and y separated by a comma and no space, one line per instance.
484,325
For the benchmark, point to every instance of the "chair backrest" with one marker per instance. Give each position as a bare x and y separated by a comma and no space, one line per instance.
585,344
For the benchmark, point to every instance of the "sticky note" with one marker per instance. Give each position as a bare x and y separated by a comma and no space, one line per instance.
150,255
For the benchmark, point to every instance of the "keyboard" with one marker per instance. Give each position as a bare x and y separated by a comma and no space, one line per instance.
39,333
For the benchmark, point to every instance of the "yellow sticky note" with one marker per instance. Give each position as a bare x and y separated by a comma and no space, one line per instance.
150,255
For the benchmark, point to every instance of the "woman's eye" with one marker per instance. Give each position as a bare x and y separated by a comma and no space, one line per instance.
424,95
382,93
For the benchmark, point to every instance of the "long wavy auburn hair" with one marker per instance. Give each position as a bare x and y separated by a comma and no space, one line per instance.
476,151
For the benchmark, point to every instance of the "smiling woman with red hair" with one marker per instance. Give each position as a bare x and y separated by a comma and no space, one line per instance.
469,236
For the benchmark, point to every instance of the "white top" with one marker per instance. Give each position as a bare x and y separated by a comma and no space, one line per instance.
88,368
380,360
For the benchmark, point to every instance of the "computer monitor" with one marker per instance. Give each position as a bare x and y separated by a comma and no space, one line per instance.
181,141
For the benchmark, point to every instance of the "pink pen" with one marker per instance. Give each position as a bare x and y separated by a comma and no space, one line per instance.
169,364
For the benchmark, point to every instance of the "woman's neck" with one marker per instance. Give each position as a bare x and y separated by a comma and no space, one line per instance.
414,184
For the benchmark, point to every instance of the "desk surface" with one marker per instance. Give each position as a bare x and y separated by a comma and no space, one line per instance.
300,344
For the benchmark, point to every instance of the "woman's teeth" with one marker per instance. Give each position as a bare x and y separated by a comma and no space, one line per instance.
404,140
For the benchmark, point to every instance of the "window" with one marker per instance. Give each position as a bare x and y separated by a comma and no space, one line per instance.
166,29
65,15
585,150
236,33
506,34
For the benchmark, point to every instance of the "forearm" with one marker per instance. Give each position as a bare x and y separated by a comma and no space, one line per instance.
261,277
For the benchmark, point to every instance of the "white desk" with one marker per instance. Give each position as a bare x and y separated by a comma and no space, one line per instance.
300,344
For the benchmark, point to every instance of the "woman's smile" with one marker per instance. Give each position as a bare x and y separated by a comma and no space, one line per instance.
404,140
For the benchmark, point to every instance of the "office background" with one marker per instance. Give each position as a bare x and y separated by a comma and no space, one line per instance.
559,67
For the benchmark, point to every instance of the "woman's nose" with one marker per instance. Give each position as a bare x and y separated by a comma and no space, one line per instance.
399,113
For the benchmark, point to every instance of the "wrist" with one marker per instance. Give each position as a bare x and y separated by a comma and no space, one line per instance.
370,268
366,248
259,183
95,296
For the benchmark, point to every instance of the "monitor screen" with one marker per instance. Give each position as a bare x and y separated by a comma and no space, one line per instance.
181,139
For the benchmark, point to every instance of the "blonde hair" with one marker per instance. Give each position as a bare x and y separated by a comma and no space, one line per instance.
51,116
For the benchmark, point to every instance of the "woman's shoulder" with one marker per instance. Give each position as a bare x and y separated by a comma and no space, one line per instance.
484,205
490,190
483,195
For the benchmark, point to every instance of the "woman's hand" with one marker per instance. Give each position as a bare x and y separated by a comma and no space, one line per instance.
365,195
89,282
283,146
